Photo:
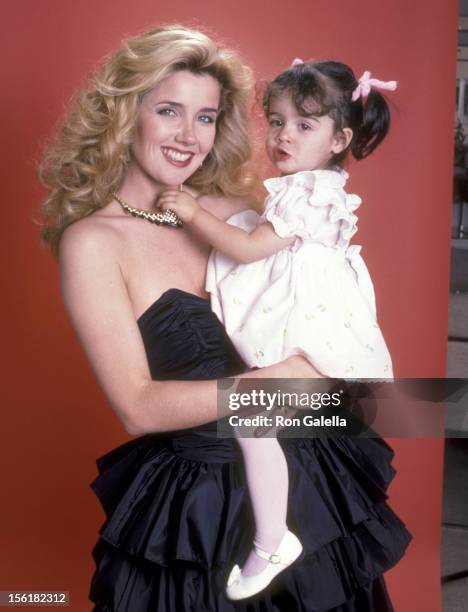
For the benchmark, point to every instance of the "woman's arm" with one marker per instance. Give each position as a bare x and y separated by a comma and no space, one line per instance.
97,301
236,243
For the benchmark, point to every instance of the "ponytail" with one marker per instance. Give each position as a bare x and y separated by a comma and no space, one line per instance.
374,126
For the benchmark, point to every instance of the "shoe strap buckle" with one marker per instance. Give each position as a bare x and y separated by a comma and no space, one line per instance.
275,559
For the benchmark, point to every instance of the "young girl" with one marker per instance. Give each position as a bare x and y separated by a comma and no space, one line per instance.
288,282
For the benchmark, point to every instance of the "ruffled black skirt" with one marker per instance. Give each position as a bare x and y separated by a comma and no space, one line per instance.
179,516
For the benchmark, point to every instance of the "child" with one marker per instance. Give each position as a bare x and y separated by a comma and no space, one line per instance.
289,283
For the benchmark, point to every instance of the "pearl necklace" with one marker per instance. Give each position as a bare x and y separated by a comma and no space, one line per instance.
168,217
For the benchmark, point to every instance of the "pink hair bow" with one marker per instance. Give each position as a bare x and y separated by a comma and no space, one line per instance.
366,84
296,62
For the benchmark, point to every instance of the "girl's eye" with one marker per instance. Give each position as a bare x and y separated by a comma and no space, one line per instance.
167,112
305,126
206,119
276,122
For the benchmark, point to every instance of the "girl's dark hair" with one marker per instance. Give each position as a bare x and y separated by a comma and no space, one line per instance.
326,88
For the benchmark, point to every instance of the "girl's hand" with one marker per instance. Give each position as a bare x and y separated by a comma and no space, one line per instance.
181,202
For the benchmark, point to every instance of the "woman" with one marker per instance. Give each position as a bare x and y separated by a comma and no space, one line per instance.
170,109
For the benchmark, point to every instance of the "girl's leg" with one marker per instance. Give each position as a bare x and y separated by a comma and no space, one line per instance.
267,480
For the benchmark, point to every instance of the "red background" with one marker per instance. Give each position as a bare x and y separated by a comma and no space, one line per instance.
54,419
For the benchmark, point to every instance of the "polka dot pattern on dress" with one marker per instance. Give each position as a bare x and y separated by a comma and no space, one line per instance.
315,297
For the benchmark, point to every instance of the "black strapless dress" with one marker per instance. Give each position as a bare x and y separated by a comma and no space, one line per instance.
178,510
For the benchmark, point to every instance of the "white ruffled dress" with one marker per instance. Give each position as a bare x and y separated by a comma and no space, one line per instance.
314,297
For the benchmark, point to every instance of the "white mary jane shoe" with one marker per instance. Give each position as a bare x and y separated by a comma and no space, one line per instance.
241,587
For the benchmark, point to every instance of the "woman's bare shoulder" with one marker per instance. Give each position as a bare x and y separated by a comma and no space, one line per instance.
92,234
224,207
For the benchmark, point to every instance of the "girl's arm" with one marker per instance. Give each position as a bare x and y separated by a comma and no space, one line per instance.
96,298
236,243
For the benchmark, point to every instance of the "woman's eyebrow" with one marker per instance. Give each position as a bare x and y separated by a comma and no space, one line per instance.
171,102
180,105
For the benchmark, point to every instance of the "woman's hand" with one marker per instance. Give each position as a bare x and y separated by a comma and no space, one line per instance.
296,366
299,367
285,411
182,203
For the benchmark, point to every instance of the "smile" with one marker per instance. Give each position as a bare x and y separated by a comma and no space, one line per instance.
178,158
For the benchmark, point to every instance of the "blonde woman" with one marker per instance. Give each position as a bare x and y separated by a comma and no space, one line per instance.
170,109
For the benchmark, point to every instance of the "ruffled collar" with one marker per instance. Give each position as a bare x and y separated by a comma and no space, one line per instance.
308,179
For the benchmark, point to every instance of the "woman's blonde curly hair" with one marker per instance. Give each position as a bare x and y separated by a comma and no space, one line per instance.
89,157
